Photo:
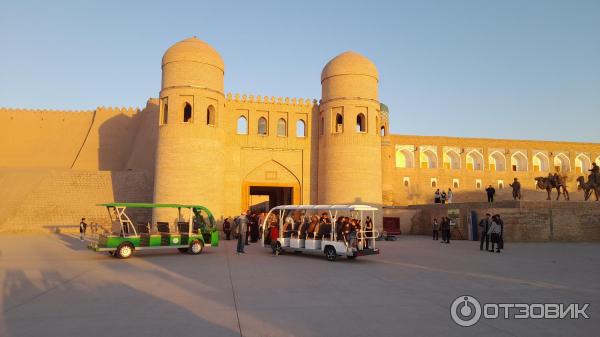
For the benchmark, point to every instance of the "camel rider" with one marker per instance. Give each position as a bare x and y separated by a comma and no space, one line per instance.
557,179
594,176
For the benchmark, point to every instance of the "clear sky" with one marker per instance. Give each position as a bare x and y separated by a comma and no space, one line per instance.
502,69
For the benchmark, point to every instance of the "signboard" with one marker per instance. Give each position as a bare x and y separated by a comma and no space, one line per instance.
454,215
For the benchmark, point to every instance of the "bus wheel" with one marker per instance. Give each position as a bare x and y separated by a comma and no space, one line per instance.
125,250
183,250
330,253
196,247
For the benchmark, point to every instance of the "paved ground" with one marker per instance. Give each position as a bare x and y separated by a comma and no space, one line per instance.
53,286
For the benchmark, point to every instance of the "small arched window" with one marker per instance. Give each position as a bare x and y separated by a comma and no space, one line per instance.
281,127
262,126
360,123
300,129
165,116
187,113
211,115
242,126
339,123
382,131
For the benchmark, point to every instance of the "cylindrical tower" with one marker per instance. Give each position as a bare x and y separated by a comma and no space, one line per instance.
349,140
189,158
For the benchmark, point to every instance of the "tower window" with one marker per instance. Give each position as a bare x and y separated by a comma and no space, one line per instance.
242,126
339,123
262,126
281,127
300,128
211,115
382,131
360,123
406,181
165,116
433,182
187,113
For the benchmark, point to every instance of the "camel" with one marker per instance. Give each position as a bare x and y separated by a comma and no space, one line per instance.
548,183
588,187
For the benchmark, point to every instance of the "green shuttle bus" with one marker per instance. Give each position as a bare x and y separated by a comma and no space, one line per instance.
187,236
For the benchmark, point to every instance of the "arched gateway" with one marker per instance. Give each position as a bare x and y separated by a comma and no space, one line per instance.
268,185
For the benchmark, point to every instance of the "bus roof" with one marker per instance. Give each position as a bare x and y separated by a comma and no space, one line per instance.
327,207
148,205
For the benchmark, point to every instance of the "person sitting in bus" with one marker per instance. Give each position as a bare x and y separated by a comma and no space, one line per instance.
339,227
346,228
288,227
313,226
303,226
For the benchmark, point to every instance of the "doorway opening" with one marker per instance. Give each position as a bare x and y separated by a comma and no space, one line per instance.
263,198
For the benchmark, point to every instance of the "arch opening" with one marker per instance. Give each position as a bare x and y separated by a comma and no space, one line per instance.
582,163
242,125
451,160
361,123
281,127
404,158
339,123
300,129
475,161
428,159
262,126
518,162
187,113
541,163
561,163
497,161
211,115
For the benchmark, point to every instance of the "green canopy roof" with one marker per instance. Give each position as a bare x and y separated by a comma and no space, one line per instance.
147,205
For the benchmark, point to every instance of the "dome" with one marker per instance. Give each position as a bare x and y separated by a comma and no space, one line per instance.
349,63
193,50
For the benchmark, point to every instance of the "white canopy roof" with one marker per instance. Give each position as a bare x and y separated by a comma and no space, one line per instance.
326,207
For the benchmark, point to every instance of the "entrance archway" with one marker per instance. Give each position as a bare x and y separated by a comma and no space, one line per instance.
270,184
261,197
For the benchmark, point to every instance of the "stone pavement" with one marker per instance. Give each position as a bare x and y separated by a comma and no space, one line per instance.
53,286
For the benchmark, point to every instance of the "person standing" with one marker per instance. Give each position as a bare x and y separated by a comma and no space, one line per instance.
449,197
501,238
82,228
227,228
241,226
437,198
484,224
445,230
490,193
368,232
494,233
436,228
443,197
516,189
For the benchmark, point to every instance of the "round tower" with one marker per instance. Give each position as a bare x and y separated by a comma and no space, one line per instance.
189,157
349,169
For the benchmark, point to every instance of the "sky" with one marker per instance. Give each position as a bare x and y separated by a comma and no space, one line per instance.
495,69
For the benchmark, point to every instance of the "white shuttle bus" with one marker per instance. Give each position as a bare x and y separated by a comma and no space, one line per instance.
332,230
